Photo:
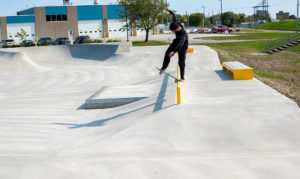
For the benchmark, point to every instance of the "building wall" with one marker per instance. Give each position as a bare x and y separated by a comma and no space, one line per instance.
14,28
116,28
92,28
3,28
58,28
89,12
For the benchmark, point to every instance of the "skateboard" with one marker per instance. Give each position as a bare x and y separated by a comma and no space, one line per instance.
176,79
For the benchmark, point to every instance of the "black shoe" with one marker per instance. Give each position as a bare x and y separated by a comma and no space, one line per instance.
161,71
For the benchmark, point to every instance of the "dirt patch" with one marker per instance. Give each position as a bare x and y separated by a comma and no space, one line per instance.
280,71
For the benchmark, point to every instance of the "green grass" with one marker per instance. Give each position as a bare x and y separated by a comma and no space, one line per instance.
295,62
270,76
295,90
250,35
295,48
149,43
290,71
281,25
253,46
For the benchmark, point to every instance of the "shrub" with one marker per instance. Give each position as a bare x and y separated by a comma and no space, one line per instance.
11,46
42,44
110,40
93,41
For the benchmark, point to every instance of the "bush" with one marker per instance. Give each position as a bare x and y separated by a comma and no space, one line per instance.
11,46
42,44
93,41
113,40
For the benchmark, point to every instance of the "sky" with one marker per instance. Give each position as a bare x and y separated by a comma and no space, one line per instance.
10,7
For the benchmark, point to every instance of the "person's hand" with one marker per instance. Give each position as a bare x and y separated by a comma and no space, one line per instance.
167,9
171,54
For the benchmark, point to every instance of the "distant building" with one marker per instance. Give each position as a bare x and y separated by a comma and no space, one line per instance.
96,21
282,15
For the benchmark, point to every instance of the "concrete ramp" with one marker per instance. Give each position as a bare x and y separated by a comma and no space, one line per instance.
18,62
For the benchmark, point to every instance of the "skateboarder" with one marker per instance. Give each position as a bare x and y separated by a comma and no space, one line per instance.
180,45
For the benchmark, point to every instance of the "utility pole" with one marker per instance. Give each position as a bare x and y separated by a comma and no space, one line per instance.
297,16
221,11
188,18
126,22
203,14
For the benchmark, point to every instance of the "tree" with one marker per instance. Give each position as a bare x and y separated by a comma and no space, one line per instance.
228,18
196,19
142,14
292,17
22,34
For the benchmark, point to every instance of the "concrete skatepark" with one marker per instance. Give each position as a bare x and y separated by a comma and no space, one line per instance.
223,129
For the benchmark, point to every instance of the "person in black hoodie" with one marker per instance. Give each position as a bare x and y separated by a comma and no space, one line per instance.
180,45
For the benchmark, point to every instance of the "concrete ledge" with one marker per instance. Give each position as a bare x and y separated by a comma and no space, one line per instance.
109,97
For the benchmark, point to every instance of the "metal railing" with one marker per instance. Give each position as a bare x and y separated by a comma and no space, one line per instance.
178,86
286,40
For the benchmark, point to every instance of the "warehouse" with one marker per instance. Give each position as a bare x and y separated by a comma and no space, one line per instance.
96,21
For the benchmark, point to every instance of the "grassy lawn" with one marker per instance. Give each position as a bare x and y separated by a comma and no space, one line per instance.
149,43
281,70
281,25
250,35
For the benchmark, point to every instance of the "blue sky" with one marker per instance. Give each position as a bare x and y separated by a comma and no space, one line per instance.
181,6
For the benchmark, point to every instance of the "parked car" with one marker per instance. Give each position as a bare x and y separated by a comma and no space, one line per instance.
221,29
8,42
201,30
167,32
207,30
81,39
47,40
62,40
27,43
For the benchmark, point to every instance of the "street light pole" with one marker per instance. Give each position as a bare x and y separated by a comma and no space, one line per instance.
297,16
126,15
203,14
221,11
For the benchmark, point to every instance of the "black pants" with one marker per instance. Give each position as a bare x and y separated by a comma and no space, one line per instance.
181,59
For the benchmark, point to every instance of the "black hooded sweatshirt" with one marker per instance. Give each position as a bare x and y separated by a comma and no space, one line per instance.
182,39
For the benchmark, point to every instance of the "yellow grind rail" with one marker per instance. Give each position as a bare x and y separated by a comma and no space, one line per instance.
178,86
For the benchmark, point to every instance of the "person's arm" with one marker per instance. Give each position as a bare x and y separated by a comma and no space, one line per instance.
175,18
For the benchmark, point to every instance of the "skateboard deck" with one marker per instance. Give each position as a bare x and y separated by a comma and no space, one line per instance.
176,79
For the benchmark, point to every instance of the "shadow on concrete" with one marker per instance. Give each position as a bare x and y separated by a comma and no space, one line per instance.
82,107
223,75
157,107
103,121
160,99
99,52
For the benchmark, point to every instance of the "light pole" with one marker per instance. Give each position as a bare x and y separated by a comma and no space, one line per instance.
221,11
297,16
203,15
126,23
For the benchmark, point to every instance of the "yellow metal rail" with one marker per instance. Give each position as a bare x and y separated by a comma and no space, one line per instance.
178,86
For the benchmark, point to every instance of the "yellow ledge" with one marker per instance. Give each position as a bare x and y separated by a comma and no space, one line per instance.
190,50
240,74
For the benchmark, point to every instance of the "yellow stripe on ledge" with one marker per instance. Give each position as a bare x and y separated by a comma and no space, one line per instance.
190,50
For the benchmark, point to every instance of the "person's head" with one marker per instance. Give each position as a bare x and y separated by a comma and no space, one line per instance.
174,27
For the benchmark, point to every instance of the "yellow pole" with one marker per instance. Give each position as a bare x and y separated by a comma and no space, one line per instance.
36,39
178,86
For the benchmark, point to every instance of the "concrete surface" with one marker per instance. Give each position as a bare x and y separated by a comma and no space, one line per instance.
223,129
114,96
